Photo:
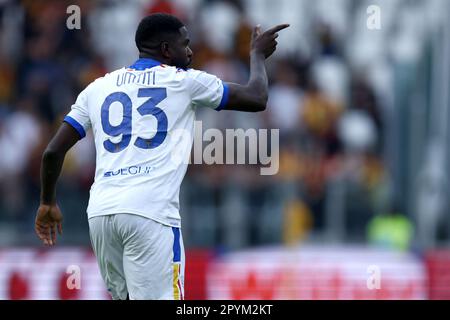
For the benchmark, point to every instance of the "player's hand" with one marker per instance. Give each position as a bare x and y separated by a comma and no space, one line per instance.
48,219
265,43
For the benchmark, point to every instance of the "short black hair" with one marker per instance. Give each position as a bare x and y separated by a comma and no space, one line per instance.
154,27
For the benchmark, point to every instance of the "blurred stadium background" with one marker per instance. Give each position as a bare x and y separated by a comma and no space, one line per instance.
364,148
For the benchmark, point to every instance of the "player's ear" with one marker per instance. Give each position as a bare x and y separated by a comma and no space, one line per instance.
165,49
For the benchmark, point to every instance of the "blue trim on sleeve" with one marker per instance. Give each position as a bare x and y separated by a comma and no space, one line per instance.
225,97
176,245
74,123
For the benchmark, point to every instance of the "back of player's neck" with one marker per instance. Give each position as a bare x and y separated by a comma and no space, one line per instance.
148,56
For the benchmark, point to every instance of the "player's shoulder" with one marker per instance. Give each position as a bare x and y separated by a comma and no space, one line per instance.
199,75
172,69
103,80
173,73
194,72
108,76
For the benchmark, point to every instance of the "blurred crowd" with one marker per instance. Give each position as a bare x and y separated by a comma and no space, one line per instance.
330,97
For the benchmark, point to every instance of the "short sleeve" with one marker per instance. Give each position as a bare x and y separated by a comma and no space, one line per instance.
207,90
78,117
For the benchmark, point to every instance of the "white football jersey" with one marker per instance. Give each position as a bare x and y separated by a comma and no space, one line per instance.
142,119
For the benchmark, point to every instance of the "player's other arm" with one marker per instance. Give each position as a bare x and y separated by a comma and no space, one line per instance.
48,216
253,96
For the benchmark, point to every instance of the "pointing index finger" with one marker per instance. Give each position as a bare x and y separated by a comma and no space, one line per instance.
278,28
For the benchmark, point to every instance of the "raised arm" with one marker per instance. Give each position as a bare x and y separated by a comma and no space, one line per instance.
48,216
253,96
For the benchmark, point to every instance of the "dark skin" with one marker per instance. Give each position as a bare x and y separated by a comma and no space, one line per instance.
173,51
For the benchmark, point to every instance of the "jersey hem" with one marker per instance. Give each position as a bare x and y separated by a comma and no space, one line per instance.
145,215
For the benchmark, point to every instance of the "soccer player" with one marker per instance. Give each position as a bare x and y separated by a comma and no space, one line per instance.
133,211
